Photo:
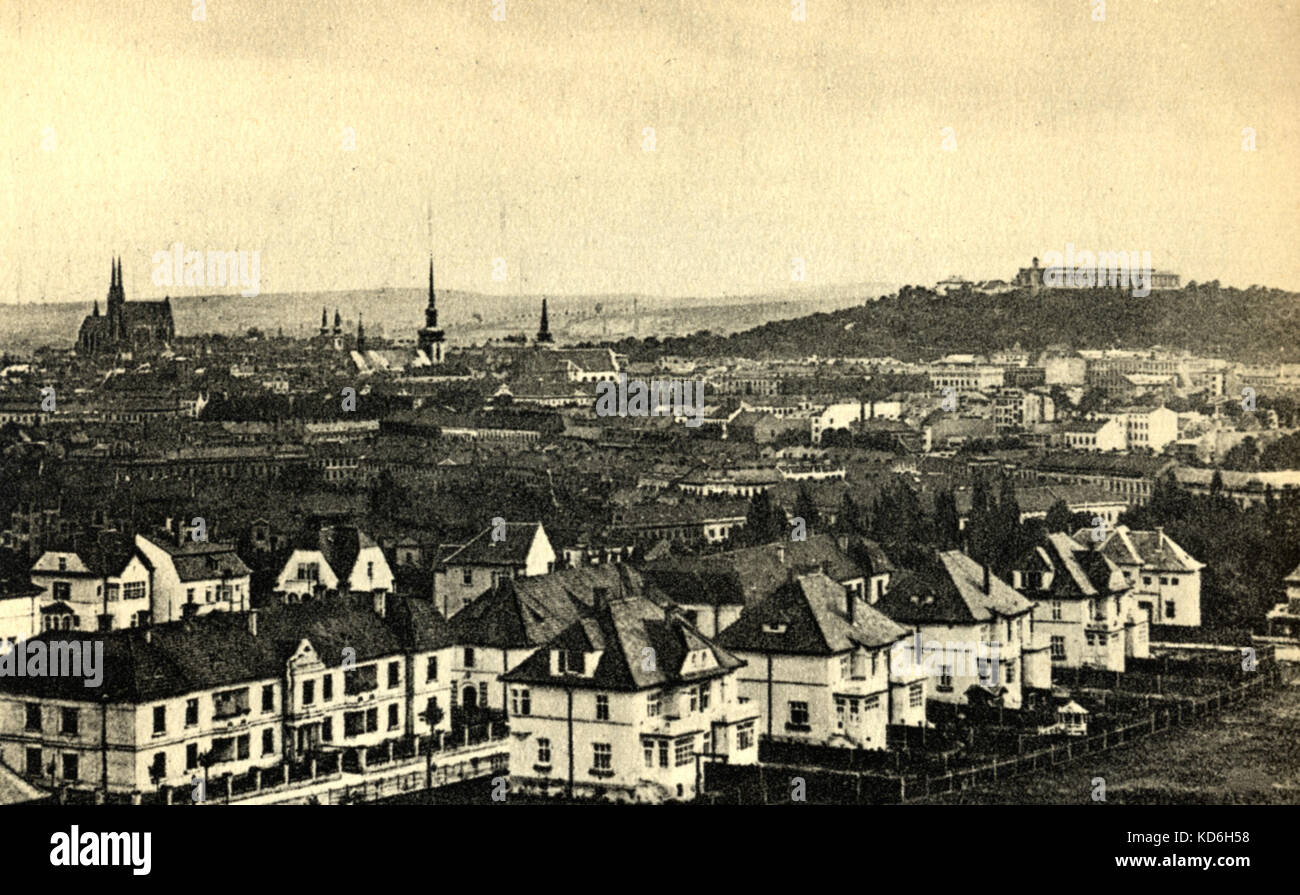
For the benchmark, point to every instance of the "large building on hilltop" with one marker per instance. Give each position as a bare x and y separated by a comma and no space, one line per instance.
126,327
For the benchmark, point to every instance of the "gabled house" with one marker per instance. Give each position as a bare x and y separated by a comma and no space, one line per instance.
972,630
203,576
1086,607
1166,579
818,664
337,557
499,552
94,586
497,631
627,702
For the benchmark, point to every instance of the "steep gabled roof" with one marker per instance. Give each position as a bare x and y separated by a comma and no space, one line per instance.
482,550
949,589
808,615
641,644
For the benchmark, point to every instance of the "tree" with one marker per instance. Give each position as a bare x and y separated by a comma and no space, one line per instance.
1059,517
805,508
947,521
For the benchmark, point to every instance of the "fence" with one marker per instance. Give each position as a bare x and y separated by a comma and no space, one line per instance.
827,774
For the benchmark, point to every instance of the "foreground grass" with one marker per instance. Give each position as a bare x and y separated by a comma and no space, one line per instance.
1248,755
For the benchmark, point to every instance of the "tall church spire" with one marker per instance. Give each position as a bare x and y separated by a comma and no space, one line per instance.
430,339
431,309
544,336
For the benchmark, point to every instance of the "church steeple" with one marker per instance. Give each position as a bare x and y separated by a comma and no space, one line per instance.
430,339
544,336
361,333
324,322
338,323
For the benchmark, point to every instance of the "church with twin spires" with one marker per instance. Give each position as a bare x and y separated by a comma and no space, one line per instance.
139,325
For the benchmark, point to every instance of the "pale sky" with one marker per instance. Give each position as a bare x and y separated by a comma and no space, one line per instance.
128,126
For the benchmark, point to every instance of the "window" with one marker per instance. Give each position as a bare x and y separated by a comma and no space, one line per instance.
327,688
69,723
916,695
268,698
1173,581
683,751
1056,610
663,753
62,591
114,593
1058,648
543,751
191,712
945,678
327,730
652,704
745,735
268,741
602,707
243,745
361,680
602,755
394,674
705,692
71,766
572,662
1011,672
695,699
798,714
63,564
870,704
133,590
648,747
230,703
1164,579
308,692
520,701
467,576
159,766
1146,579
1169,608
308,571
840,703
191,756
360,721
431,670
159,719
34,762
469,657
482,694
33,716
845,666
394,717
370,570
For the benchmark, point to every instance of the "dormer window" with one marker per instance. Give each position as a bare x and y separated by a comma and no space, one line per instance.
774,629
572,662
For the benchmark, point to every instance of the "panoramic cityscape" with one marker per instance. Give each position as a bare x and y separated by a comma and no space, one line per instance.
679,404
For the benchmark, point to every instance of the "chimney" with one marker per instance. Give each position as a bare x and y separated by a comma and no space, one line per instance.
381,603
988,578
252,622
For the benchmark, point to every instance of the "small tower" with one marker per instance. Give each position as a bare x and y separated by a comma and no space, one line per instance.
430,338
544,336
361,334
324,323
338,323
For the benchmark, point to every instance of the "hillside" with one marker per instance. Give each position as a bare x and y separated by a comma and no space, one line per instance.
1252,325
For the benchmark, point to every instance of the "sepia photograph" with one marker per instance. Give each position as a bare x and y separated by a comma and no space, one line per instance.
883,406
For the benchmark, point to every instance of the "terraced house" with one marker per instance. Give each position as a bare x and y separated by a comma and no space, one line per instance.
626,702
231,690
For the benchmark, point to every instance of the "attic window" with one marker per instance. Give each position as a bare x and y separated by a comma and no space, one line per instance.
774,629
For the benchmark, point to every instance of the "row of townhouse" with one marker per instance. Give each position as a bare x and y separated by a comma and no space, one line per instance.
227,692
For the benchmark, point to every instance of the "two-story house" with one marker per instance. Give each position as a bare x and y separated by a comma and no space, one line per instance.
818,665
499,552
94,586
971,629
203,576
1166,579
1086,608
627,702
